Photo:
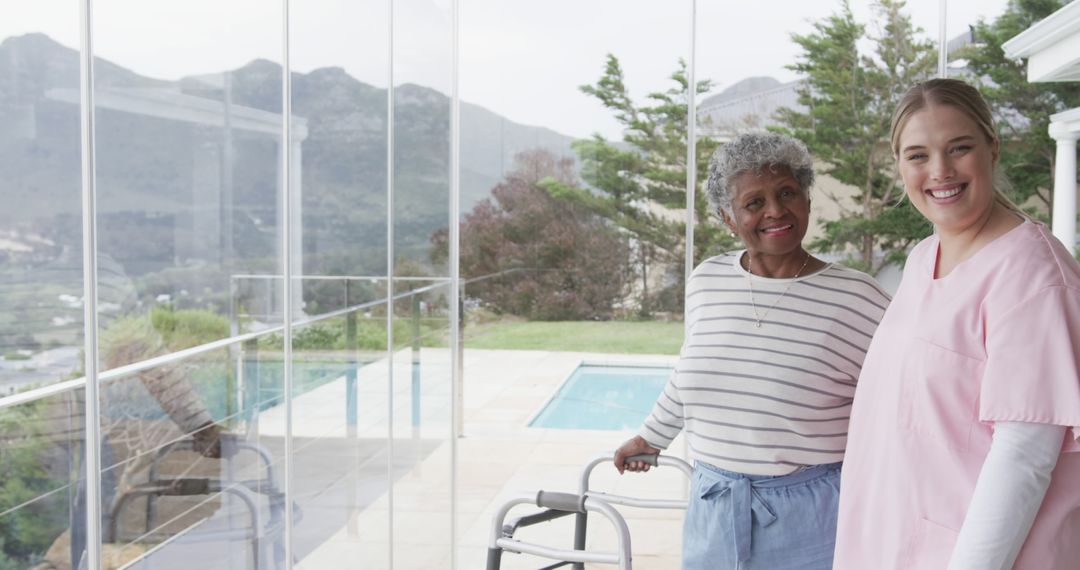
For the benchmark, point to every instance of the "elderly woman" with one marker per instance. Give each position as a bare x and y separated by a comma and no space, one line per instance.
765,380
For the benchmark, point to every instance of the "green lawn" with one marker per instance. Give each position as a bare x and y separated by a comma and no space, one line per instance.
631,337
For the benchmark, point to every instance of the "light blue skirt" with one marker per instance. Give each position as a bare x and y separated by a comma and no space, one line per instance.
759,522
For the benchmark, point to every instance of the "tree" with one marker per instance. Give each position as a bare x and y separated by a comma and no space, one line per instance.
25,456
650,170
849,98
572,264
1022,108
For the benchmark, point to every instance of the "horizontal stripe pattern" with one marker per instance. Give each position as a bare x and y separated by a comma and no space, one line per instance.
767,400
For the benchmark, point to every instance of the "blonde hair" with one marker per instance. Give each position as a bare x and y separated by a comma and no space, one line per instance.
966,99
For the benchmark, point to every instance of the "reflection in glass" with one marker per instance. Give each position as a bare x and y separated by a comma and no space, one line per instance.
420,460
340,422
190,222
41,287
172,441
41,229
41,446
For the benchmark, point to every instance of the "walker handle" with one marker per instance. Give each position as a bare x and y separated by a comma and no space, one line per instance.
650,458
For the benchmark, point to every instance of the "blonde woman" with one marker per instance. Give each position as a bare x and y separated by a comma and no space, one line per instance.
962,435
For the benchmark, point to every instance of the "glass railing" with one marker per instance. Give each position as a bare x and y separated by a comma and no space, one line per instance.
171,492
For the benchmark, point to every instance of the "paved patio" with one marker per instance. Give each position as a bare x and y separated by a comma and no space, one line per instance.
499,457
340,483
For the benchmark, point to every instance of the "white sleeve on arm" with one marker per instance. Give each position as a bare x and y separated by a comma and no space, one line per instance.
1010,490
666,420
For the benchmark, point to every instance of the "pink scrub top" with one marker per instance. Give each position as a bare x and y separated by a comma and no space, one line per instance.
995,340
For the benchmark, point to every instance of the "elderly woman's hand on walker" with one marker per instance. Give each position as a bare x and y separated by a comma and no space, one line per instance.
633,446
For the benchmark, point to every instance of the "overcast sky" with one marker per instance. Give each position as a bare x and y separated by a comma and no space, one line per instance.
523,59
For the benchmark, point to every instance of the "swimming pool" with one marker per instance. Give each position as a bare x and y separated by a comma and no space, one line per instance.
604,398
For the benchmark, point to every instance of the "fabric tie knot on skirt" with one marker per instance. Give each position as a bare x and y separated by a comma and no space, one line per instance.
746,506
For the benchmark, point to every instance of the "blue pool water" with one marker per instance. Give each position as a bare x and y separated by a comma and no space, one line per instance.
604,398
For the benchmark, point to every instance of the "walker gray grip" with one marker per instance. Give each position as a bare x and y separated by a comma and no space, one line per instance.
650,458
568,502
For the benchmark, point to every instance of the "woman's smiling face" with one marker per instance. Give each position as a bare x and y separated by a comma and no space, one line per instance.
771,211
947,164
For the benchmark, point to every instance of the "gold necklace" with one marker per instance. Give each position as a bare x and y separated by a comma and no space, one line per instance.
750,281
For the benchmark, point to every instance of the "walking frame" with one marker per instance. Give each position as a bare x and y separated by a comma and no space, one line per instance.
557,505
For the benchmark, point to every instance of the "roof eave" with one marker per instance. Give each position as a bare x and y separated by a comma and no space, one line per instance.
1047,32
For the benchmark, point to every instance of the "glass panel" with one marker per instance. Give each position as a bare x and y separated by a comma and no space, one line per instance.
572,235
340,56
41,283
43,490
41,240
421,465
421,396
188,149
165,477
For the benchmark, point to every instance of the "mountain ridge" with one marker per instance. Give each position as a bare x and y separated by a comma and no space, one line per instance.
151,168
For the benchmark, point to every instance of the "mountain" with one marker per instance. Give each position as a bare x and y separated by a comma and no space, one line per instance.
747,106
741,89
176,187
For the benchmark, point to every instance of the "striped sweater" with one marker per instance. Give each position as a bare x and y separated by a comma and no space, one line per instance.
767,400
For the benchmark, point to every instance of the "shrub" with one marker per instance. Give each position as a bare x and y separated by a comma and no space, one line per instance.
186,328
573,264
27,532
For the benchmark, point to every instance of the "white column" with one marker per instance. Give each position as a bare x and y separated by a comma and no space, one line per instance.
1064,215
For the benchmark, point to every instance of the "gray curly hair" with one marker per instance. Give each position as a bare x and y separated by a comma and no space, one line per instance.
754,152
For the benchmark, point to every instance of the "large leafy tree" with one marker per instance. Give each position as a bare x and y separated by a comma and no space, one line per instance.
640,184
1022,108
571,264
848,98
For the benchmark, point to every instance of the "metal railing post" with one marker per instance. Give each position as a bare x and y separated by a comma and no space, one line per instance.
459,396
415,387
249,382
233,368
351,369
